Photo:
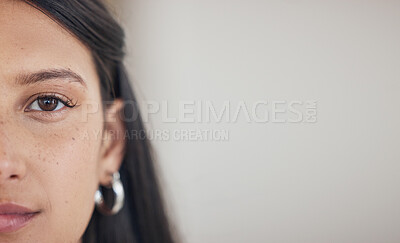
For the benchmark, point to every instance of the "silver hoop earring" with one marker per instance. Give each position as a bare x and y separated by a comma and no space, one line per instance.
119,197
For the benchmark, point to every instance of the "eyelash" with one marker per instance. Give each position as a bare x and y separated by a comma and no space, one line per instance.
58,97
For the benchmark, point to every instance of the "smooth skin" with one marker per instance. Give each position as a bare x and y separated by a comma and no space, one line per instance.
51,161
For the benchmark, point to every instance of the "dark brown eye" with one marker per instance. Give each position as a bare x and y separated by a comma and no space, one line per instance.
47,103
50,102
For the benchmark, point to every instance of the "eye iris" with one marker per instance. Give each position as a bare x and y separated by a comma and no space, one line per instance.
47,104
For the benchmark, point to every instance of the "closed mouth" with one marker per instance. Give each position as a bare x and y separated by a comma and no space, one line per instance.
11,222
14,217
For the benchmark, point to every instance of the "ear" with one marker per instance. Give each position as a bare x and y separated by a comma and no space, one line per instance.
113,144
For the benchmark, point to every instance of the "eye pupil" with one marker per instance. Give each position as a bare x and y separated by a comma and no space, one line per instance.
47,104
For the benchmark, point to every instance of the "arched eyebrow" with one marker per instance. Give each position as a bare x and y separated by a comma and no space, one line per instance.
49,74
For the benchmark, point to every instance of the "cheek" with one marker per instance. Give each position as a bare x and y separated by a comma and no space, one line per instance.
68,173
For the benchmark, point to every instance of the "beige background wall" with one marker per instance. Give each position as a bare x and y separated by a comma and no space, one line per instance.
333,180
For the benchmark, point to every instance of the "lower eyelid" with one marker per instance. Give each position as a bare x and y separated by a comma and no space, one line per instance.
48,116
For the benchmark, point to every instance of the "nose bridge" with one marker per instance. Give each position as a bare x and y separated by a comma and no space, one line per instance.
11,167
4,130
4,137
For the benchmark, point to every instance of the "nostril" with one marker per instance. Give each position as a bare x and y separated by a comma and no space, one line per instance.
13,176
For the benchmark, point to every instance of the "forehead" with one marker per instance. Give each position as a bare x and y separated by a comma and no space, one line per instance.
31,41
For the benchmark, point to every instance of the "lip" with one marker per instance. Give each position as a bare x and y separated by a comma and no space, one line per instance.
14,217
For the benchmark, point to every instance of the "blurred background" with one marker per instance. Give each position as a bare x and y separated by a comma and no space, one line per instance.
309,151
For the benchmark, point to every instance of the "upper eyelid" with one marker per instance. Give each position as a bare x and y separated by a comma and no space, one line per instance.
56,96
45,94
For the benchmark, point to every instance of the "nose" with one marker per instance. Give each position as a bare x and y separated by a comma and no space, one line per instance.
11,168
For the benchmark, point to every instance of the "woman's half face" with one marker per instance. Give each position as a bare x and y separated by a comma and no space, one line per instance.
52,157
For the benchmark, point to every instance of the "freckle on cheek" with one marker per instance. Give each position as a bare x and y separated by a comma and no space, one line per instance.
73,138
